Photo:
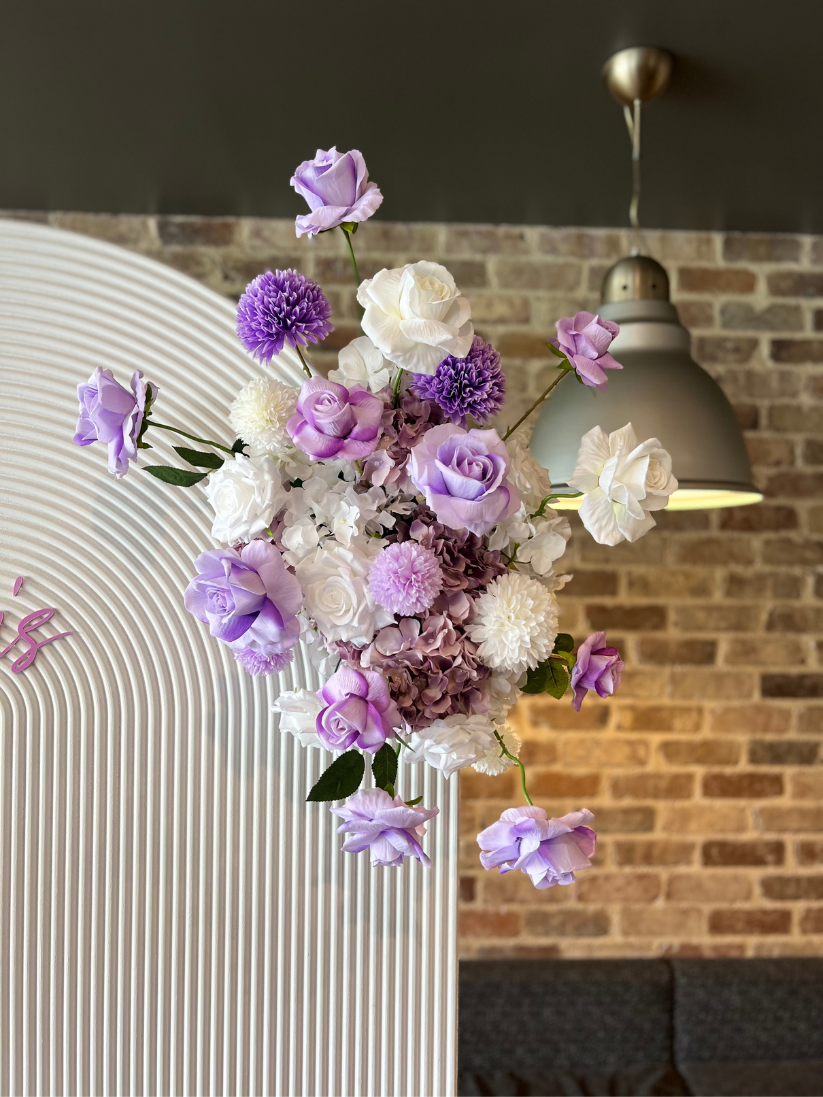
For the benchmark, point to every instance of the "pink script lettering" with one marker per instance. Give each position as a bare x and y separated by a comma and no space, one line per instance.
30,622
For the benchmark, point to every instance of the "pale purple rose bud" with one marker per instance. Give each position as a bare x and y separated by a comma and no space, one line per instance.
358,711
332,421
463,475
387,827
110,414
337,188
585,340
549,851
598,667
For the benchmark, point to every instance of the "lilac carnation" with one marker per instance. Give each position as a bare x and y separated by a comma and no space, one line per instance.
253,662
473,385
550,851
405,578
279,308
598,667
387,827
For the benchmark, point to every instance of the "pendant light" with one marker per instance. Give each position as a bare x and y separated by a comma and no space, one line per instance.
661,390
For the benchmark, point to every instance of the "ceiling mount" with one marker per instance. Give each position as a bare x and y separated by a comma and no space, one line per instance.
640,72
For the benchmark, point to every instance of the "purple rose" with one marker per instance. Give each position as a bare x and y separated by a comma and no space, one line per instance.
358,712
111,414
586,340
332,421
463,477
550,851
385,826
337,188
597,667
248,598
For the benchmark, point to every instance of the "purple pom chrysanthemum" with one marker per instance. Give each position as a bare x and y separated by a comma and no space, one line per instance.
405,578
255,663
473,385
278,308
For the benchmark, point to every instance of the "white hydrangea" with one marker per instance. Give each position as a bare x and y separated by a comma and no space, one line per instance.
334,510
546,544
246,494
526,472
319,655
299,539
298,711
260,412
515,623
452,743
336,594
361,363
495,762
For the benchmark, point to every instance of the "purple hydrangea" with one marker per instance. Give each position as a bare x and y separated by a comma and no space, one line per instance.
387,827
473,385
405,578
257,664
549,851
278,308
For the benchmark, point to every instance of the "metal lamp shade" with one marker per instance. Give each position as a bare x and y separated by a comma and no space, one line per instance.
663,392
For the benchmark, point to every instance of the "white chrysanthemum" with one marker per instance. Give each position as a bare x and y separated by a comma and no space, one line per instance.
452,743
515,623
299,710
495,762
260,412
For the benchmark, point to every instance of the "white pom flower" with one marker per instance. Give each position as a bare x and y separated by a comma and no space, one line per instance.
298,715
525,471
515,623
622,482
260,412
453,743
361,363
246,495
495,762
336,591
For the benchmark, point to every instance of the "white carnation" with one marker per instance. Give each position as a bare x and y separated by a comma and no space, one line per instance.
452,743
361,363
336,592
495,761
526,473
260,412
622,482
515,623
298,715
246,494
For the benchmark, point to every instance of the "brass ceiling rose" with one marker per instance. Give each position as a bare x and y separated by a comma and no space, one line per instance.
640,72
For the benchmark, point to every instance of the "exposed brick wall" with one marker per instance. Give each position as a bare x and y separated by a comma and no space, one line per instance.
704,772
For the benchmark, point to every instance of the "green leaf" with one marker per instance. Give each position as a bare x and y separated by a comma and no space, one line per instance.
416,800
199,458
144,426
349,227
238,446
384,767
341,779
296,483
170,475
550,677
555,351
563,642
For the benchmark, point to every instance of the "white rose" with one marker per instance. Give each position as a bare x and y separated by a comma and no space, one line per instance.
526,473
622,482
453,743
298,715
495,762
246,495
361,363
416,316
336,592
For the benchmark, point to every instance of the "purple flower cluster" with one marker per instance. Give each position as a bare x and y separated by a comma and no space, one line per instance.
281,307
471,386
403,427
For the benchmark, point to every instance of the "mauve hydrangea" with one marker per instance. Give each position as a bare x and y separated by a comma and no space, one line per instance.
465,560
473,385
385,826
549,851
405,578
281,307
403,427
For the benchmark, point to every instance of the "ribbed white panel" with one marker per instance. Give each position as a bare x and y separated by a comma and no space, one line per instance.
173,917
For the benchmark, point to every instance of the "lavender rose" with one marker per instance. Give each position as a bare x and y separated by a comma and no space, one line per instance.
586,340
387,827
598,667
337,188
248,598
111,414
358,712
550,851
332,421
463,475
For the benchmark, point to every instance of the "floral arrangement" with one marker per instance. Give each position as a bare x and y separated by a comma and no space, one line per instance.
377,517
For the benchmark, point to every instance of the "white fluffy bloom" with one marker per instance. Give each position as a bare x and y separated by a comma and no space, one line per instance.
452,743
260,412
526,472
515,623
336,592
494,761
623,482
416,316
246,494
298,715
361,363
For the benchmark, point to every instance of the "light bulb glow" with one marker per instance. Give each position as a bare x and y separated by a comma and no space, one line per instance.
688,499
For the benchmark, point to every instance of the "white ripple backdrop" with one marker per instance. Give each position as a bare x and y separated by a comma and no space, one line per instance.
173,917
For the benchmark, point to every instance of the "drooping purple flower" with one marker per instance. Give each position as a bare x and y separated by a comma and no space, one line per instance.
405,578
358,711
258,665
110,414
598,667
387,827
473,385
332,421
281,307
586,340
337,188
248,598
550,851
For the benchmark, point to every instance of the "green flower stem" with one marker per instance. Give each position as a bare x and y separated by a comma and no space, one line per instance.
351,253
554,495
302,359
202,441
537,403
395,392
400,741
517,762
